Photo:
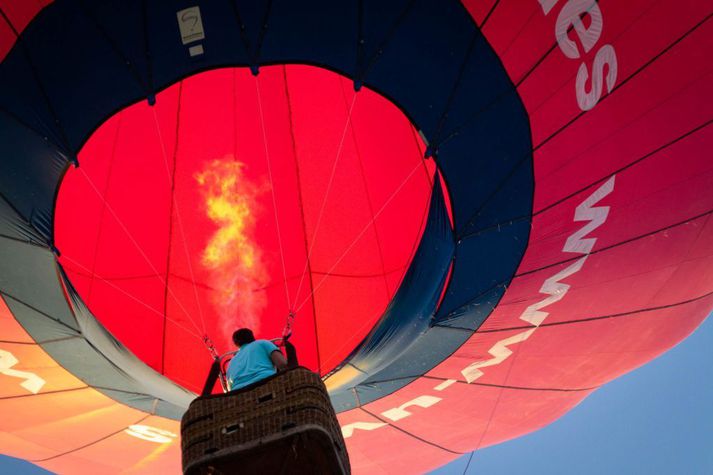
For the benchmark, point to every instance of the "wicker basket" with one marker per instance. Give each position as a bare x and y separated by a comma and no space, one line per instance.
283,424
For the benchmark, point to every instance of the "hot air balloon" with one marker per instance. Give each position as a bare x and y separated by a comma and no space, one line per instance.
478,211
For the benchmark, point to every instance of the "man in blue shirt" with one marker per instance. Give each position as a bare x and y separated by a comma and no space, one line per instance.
255,360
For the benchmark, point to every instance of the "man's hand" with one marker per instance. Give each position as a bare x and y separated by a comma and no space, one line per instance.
278,360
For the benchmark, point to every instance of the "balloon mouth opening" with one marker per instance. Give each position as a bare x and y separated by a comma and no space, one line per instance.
235,199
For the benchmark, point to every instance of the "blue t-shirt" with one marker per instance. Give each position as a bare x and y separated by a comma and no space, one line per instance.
252,363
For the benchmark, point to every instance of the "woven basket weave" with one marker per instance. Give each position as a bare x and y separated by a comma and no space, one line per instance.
283,424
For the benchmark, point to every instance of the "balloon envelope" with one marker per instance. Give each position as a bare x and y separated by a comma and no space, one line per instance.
480,212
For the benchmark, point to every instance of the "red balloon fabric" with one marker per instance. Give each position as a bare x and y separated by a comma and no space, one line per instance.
170,200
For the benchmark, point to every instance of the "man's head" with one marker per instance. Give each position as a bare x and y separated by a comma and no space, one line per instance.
243,337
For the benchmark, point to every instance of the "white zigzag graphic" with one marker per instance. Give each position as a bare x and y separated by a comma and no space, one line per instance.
556,290
348,430
31,381
596,217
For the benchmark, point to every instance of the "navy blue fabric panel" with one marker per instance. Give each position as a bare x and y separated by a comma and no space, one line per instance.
170,58
483,84
487,127
484,262
370,392
506,205
254,18
21,88
377,21
474,313
22,100
426,56
29,274
110,21
435,346
420,63
31,168
80,72
318,32
493,146
409,313
14,226
40,326
146,402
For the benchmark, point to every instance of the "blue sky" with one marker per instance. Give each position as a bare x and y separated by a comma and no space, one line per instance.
657,419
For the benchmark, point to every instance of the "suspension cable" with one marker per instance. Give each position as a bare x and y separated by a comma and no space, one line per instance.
359,235
326,195
211,347
170,179
107,281
137,245
272,191
326,274
287,331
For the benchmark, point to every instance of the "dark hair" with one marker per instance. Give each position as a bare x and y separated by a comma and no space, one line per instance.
243,336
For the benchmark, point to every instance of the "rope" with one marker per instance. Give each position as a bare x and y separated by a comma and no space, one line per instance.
136,299
300,203
272,190
387,289
328,273
211,347
100,225
470,459
170,179
136,244
326,195
287,331
360,234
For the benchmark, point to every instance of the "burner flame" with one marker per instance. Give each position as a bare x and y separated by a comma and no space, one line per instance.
232,257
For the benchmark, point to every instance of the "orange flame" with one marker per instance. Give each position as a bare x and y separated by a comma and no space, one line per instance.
235,263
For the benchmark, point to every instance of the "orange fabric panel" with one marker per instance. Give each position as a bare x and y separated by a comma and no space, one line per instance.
15,446
26,368
62,421
86,432
68,427
36,368
73,464
126,453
